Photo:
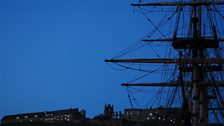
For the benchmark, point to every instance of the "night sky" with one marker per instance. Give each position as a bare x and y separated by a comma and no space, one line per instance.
52,54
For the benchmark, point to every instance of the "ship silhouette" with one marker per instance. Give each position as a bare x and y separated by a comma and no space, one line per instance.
185,46
191,66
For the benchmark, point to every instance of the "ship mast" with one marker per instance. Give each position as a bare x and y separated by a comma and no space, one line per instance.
199,64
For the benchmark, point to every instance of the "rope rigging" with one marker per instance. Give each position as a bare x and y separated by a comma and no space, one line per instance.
195,24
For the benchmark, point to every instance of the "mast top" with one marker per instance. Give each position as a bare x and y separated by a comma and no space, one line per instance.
196,3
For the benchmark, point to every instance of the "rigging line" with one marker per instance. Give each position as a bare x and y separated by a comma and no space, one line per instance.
160,24
217,11
136,10
165,10
129,48
129,97
152,24
115,68
135,101
220,34
218,93
170,78
217,52
137,69
152,101
185,18
124,52
165,22
172,97
153,50
179,9
174,35
213,24
190,26
159,96
142,76
154,9
177,20
134,49
170,102
221,18
210,19
164,74
138,90
214,113
218,114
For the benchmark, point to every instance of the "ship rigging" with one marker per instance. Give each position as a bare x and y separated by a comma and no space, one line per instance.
194,31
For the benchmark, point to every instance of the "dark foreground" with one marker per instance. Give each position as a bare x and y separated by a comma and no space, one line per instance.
93,123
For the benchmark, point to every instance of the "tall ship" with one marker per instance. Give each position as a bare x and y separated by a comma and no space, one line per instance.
183,66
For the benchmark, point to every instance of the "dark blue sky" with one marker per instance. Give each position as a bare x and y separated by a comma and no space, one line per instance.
52,53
